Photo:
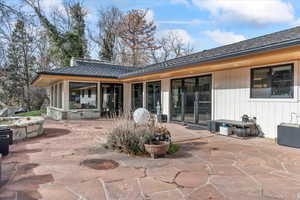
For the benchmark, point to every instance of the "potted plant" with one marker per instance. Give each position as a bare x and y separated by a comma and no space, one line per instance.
159,143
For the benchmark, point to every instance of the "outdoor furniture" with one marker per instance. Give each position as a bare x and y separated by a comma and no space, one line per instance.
240,128
288,135
4,144
7,131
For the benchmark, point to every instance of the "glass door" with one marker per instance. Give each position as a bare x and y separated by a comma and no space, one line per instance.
204,99
136,96
176,100
153,96
111,99
189,101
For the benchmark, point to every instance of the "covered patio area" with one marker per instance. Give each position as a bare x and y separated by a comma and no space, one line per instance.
207,166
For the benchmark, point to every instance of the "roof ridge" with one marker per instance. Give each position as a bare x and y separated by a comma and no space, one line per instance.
222,46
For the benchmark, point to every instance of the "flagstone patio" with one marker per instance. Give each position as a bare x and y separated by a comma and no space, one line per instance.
206,167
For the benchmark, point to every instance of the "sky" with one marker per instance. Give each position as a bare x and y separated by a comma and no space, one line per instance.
205,24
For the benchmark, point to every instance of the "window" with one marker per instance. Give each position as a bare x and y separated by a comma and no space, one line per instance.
82,93
136,96
52,96
77,101
60,86
55,96
272,82
153,96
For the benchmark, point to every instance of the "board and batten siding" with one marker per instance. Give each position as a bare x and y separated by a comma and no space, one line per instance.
232,100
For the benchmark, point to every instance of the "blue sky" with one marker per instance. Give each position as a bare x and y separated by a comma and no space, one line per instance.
207,23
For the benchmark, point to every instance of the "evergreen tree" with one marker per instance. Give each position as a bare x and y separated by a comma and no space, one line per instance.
20,66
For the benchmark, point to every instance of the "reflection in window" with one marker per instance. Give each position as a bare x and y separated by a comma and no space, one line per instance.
80,99
153,96
272,82
60,95
136,96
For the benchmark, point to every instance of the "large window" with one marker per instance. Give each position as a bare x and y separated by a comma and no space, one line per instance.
136,96
83,95
153,96
272,82
60,89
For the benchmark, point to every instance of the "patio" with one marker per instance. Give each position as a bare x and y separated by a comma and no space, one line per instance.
206,167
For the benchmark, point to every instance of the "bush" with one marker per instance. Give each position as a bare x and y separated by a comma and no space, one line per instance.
173,148
32,113
125,136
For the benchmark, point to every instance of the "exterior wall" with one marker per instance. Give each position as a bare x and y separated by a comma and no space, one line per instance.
127,97
230,100
165,96
231,94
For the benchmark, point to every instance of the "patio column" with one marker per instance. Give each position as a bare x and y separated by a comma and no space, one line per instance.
126,97
144,95
65,98
99,96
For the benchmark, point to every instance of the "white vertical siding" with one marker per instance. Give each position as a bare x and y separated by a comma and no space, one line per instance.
165,96
127,97
232,100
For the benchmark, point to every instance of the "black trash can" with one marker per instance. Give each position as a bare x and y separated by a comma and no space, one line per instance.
7,131
4,144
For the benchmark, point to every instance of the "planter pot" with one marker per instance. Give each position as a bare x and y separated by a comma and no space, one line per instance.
156,150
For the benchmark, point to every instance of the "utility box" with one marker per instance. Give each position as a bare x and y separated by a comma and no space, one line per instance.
225,130
288,135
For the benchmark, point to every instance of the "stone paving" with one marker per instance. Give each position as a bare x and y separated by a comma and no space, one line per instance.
206,167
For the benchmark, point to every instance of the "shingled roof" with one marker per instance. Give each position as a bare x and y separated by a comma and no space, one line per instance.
92,69
277,40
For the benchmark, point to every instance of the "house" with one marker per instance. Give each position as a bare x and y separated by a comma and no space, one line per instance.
258,77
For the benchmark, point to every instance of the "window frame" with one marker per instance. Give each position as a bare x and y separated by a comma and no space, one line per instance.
132,94
270,81
97,93
147,90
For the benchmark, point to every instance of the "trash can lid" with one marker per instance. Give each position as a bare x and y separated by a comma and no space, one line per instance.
4,127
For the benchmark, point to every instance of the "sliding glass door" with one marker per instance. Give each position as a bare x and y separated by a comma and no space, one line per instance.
189,85
191,99
111,99
204,99
136,96
176,99
153,96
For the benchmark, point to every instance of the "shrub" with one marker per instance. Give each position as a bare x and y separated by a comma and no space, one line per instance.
125,136
173,148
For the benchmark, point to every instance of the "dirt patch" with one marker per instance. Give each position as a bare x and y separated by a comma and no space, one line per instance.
100,164
98,127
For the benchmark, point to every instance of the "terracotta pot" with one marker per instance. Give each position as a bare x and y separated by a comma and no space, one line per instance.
157,149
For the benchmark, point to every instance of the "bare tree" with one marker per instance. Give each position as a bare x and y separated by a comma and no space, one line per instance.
138,35
170,46
108,32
